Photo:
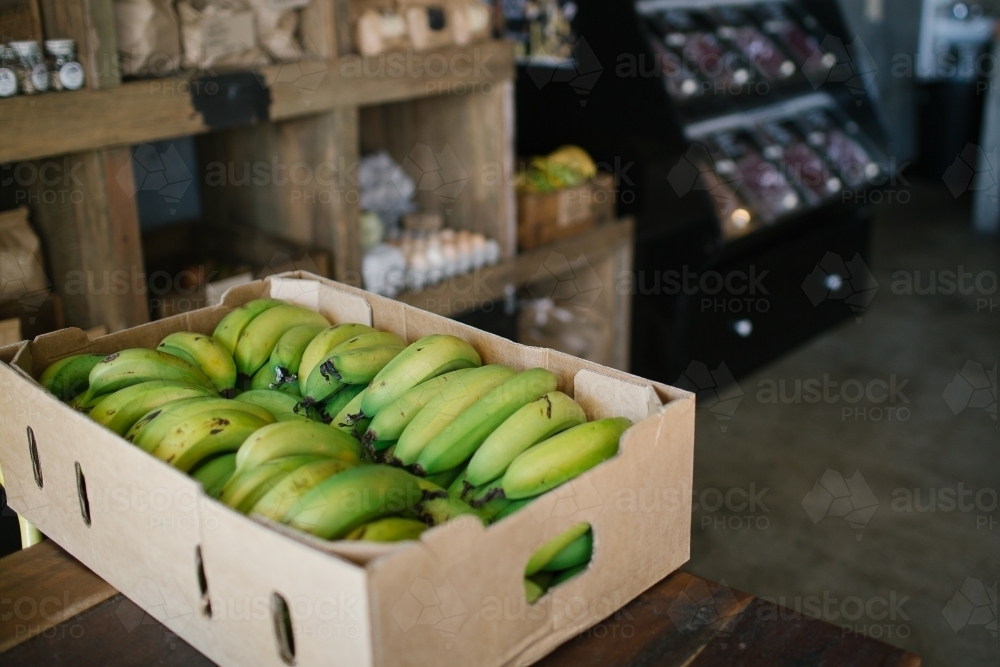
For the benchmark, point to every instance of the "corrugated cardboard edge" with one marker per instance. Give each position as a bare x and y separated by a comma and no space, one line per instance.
389,575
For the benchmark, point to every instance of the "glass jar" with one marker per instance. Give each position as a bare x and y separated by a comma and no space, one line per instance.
66,72
8,77
32,74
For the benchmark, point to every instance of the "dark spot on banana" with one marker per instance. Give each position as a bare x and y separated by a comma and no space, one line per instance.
418,470
110,412
109,358
216,431
548,409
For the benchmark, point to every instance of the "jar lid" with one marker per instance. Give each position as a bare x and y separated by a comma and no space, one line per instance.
60,47
27,47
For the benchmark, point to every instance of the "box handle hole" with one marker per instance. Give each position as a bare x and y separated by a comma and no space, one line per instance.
283,628
36,467
561,558
81,492
206,603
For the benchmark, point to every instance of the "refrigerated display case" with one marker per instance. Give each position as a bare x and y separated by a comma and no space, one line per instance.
747,143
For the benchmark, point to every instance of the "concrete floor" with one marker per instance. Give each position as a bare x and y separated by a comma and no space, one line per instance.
912,550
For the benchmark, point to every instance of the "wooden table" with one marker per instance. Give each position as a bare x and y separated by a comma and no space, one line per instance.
66,615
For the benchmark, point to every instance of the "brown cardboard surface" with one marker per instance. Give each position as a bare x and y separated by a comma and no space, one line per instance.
454,597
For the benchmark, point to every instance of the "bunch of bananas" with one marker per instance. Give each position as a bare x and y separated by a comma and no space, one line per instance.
344,431
566,167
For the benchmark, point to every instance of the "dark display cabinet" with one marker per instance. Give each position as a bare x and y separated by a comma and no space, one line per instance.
746,144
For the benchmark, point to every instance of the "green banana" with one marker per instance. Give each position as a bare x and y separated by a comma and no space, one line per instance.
552,413
562,457
283,406
228,330
85,402
370,339
332,406
214,473
548,551
577,552
458,486
428,357
155,424
262,380
246,487
354,366
276,502
296,437
532,591
341,503
487,500
441,410
128,367
346,419
120,410
70,376
395,416
436,511
569,573
444,479
389,529
514,507
283,366
206,434
323,344
206,353
259,338
460,439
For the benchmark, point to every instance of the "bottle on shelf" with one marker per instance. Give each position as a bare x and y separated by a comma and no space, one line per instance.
32,73
66,72
8,76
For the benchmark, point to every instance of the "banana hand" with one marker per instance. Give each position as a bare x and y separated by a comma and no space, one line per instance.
533,423
426,358
206,353
259,338
460,439
70,376
441,410
562,457
295,438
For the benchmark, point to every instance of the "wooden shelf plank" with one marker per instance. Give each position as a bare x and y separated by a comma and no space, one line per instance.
141,111
47,574
460,293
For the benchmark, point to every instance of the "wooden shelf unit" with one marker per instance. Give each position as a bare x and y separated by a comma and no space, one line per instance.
323,113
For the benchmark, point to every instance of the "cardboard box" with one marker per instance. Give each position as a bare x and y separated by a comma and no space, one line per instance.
543,217
220,579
